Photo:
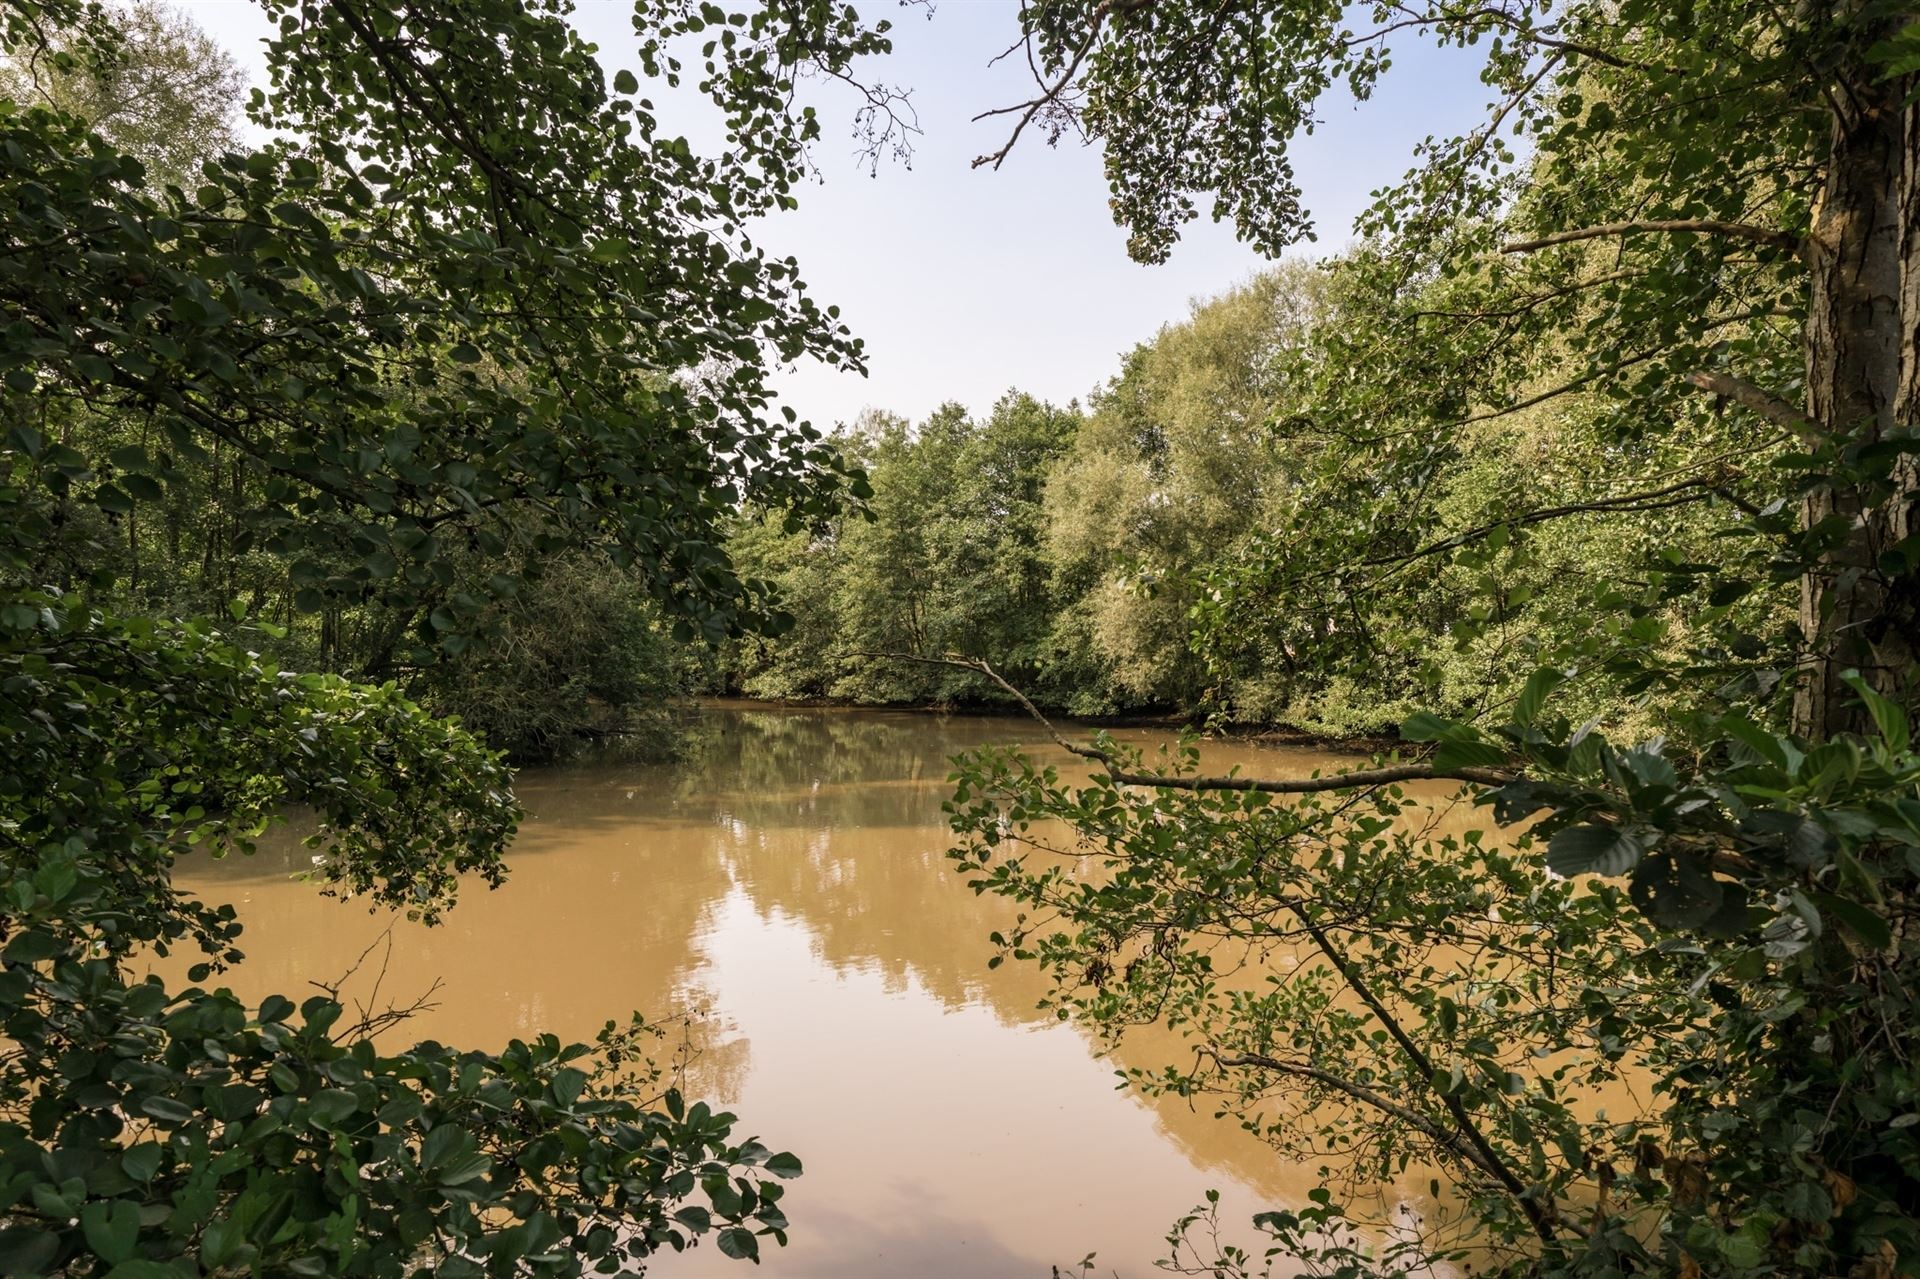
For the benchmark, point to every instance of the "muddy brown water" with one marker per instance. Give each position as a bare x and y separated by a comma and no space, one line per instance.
789,878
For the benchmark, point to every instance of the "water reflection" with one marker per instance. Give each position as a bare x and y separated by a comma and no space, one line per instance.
789,876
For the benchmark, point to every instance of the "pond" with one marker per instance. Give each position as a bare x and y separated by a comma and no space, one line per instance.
788,878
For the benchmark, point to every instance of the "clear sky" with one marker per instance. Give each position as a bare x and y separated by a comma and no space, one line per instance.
967,282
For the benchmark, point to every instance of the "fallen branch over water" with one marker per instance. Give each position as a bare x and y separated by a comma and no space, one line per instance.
1116,770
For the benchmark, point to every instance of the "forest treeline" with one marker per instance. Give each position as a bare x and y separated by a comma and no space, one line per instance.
1091,552
1084,551
1081,550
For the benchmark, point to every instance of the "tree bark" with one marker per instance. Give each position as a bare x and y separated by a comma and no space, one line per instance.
1863,380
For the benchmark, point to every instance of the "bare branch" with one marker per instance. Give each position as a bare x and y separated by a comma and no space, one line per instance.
1050,94
1389,775
1694,490
1681,226
1749,396
374,1021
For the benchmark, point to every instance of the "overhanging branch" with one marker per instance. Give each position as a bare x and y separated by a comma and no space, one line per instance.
1050,93
1681,226
1686,491
1749,396
1425,1125
1120,775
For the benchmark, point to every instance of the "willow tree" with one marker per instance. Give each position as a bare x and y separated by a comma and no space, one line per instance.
428,322
1698,223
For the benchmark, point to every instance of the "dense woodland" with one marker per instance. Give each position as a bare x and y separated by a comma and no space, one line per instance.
438,425
1082,552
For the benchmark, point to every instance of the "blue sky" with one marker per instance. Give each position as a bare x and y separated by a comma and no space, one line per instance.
966,282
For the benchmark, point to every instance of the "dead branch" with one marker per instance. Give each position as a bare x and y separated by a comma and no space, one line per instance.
372,1021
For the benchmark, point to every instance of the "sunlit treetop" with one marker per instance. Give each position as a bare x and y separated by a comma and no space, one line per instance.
1676,211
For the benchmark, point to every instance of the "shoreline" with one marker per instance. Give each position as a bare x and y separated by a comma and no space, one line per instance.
1278,735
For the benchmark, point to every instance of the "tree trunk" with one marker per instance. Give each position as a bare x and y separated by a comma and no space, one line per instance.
1863,379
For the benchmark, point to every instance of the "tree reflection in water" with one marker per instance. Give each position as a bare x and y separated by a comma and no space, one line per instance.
788,876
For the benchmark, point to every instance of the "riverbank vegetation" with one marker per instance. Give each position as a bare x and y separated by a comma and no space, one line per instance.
1591,467
1108,558
1614,407
393,395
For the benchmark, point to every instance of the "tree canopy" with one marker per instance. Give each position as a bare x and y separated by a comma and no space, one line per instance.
427,341
1680,241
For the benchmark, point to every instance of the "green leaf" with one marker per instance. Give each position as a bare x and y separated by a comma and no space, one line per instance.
1764,745
26,1250
462,1169
1867,925
112,1228
34,946
568,1083
1454,755
142,1161
625,82
738,1242
1888,715
57,878
1807,1201
1534,696
140,1268
167,1110
1593,850
1424,726
1676,891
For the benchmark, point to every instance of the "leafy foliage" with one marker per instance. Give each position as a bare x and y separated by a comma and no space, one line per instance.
381,369
379,328
1675,247
164,91
1368,979
141,1126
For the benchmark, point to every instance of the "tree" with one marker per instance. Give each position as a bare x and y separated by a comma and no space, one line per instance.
580,655
1708,233
167,94
423,340
1179,463
945,557
1741,180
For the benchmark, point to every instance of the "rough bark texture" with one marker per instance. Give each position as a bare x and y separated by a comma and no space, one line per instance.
1863,379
